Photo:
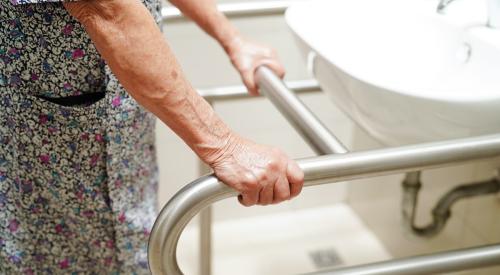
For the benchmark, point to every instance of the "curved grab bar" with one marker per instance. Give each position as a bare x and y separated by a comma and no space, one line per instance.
330,168
174,216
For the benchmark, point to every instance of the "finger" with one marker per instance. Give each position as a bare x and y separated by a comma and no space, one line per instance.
249,199
295,177
281,190
275,66
266,195
248,78
250,189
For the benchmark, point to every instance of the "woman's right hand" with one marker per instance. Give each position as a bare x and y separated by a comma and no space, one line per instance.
126,36
261,174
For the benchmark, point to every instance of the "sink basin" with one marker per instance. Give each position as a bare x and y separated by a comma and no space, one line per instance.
401,71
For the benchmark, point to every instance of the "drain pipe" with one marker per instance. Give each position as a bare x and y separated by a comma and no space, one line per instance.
442,210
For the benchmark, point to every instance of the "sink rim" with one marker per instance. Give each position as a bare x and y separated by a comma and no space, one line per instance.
474,34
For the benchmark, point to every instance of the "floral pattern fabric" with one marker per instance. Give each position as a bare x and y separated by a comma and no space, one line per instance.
77,184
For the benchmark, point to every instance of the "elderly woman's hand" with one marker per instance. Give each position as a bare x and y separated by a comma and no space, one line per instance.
261,174
247,56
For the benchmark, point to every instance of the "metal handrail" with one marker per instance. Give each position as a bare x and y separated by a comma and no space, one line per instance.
240,91
207,190
315,133
232,10
231,93
319,170
448,261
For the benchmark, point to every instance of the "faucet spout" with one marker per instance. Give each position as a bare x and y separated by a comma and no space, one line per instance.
442,5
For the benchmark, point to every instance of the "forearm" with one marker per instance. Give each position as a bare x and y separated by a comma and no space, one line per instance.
129,40
211,20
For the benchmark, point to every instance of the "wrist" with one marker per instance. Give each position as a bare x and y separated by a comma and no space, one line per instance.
233,44
215,150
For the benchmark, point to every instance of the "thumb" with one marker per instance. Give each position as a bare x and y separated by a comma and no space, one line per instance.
295,177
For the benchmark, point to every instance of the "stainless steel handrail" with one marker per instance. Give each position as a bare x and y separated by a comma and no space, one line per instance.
240,91
448,261
305,123
188,202
230,93
325,169
232,10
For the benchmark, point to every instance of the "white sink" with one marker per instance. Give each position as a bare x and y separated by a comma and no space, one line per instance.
403,72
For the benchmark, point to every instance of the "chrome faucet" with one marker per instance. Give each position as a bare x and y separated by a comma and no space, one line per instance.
442,5
493,11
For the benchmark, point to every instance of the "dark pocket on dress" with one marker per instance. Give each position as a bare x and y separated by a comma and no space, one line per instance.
83,100
38,108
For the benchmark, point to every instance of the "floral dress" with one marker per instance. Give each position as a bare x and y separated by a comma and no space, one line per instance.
77,162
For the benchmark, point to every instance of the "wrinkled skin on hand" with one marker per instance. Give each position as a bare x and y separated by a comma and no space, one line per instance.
261,174
126,36
247,56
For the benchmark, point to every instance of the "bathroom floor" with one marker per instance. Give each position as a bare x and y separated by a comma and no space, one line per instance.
286,243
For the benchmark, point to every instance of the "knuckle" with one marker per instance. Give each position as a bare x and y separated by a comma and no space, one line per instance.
250,183
256,186
263,177
252,186
261,185
248,178
273,164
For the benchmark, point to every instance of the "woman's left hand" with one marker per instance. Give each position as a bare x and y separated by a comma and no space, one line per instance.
247,56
